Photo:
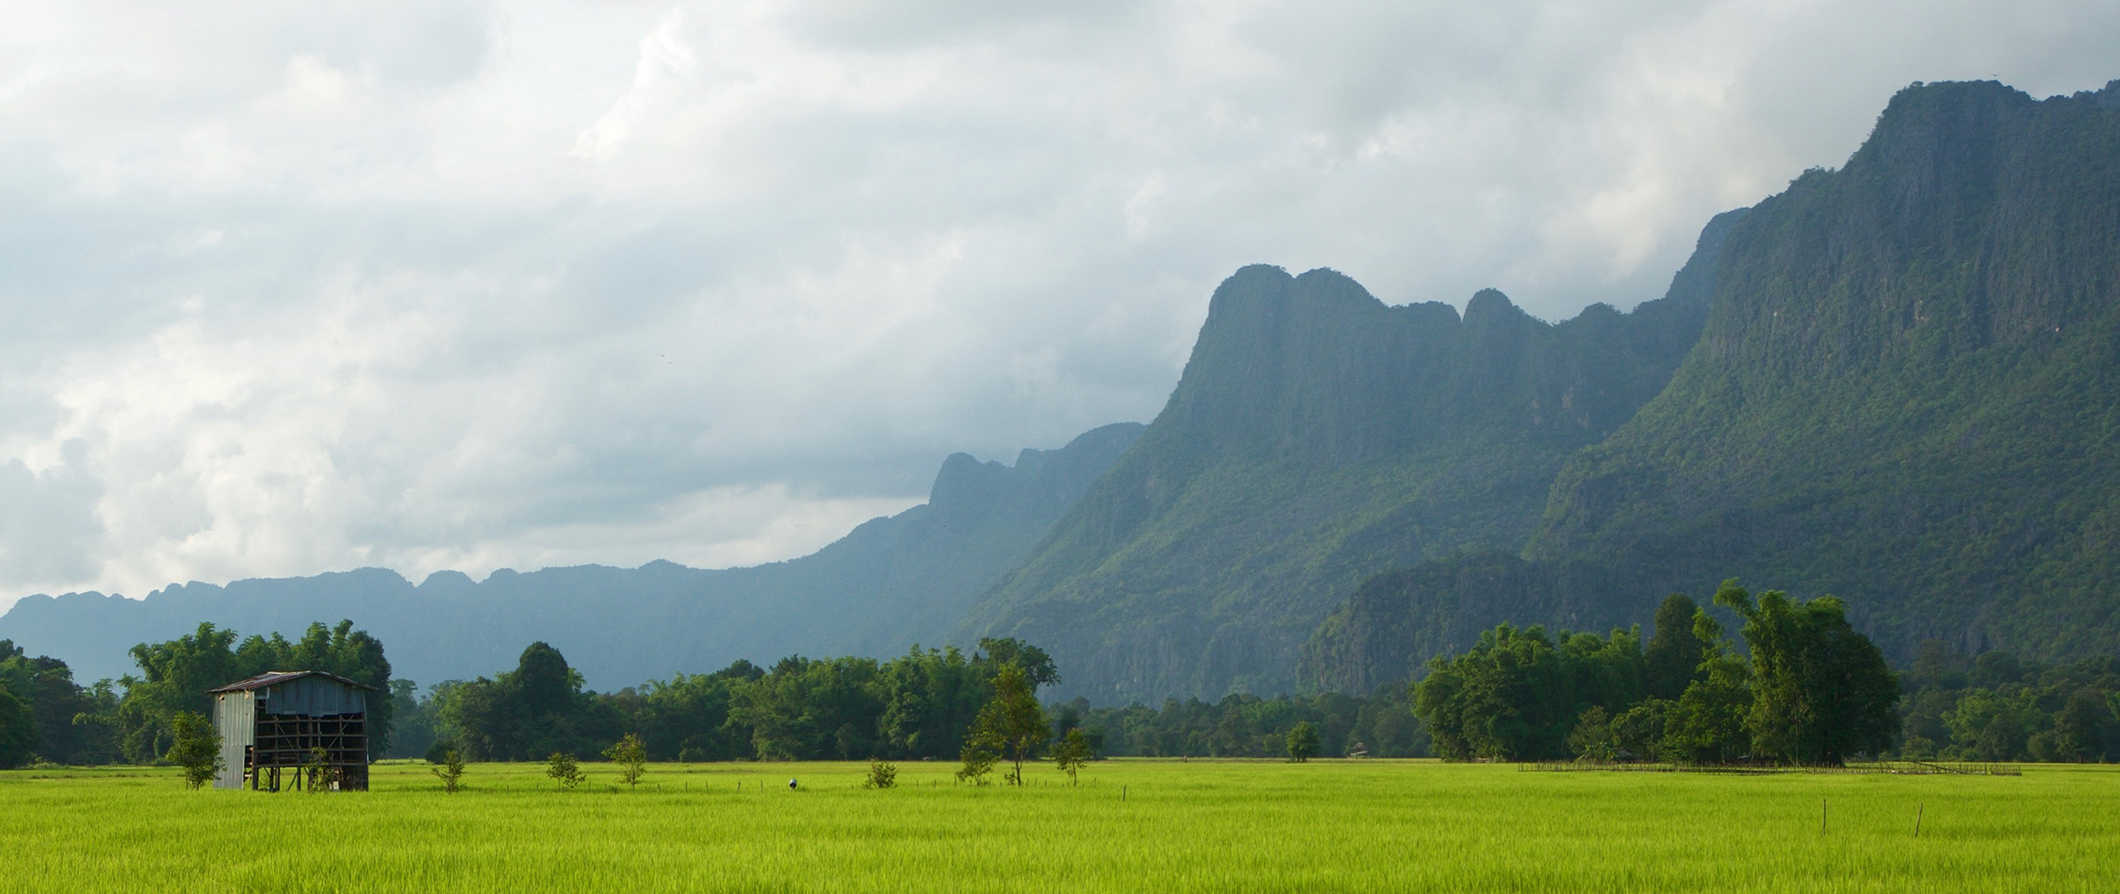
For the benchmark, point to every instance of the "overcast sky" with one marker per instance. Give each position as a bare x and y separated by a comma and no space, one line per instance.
470,285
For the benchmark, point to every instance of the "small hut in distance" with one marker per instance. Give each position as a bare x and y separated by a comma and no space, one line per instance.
292,720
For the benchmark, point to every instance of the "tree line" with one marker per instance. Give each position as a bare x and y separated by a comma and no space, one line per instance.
920,705
1805,688
1996,707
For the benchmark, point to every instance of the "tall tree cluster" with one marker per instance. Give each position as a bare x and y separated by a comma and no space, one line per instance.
134,718
175,675
45,714
1813,691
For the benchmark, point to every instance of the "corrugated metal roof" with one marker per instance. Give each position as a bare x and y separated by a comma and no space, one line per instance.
274,678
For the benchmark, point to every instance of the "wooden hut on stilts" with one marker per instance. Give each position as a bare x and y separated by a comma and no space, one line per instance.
311,725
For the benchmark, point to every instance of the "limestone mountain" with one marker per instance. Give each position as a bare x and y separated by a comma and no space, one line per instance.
1316,437
1907,393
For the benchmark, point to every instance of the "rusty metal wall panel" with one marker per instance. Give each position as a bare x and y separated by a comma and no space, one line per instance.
234,718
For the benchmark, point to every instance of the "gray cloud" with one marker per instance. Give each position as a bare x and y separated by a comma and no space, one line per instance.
478,285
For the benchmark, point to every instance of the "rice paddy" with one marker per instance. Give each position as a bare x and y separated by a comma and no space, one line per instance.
1135,825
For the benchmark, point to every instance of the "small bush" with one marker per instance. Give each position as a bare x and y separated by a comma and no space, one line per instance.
451,772
631,756
882,774
1072,753
562,768
197,749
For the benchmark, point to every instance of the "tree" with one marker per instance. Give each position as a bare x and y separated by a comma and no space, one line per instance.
1036,664
2080,727
631,756
1071,754
1637,730
197,748
451,772
1672,658
1516,694
1592,738
1821,691
563,769
1707,723
544,682
18,733
1302,742
1013,723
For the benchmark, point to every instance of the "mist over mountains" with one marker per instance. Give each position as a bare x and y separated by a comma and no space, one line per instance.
1894,382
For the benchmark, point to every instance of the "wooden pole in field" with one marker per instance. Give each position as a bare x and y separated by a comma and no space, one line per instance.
1917,819
1821,816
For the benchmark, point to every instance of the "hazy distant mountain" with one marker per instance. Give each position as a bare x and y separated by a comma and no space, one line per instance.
1907,394
1316,438
887,584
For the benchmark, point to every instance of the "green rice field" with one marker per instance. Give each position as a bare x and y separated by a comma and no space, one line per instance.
1132,825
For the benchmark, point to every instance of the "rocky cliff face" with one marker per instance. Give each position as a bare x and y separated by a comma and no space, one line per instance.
1316,437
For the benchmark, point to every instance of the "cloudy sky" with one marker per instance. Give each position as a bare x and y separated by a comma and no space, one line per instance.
473,285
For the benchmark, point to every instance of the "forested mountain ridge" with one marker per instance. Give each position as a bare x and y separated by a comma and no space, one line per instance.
887,584
1316,437
1907,393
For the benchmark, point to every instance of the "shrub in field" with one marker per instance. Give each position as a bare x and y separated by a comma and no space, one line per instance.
1302,742
197,748
319,776
451,772
978,757
631,756
1072,753
562,768
882,774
